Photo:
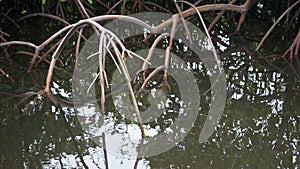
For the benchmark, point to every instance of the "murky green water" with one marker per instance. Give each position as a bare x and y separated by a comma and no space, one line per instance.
259,127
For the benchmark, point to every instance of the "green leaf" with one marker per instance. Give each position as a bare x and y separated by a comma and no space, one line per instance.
90,1
43,1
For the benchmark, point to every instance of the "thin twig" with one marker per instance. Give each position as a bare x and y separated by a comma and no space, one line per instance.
128,79
31,54
295,45
44,15
10,19
7,75
209,37
77,48
158,6
151,50
123,7
273,26
105,151
114,6
18,43
161,67
101,70
218,17
184,23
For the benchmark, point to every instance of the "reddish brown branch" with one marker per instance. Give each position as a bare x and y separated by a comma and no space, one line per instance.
218,17
158,6
273,26
7,75
294,48
11,20
113,7
60,7
82,9
32,54
44,15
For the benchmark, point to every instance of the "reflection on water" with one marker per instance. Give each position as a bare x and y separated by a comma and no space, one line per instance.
259,127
